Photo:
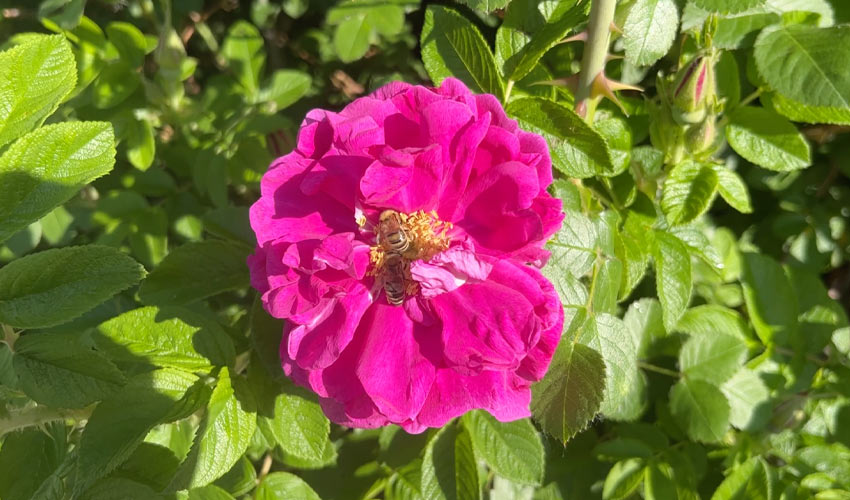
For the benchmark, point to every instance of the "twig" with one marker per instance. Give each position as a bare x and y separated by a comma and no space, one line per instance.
39,415
658,369
595,54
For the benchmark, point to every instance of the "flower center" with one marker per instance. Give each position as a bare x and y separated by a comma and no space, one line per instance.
426,236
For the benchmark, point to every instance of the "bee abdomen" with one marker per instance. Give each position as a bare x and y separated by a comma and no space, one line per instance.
398,242
395,293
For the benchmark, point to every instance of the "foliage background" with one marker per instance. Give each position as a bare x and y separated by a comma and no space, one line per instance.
702,265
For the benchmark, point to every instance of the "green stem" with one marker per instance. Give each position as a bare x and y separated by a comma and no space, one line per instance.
658,369
9,336
595,50
39,415
750,98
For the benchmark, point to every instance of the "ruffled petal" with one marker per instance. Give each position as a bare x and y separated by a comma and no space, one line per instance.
489,325
319,343
449,270
502,394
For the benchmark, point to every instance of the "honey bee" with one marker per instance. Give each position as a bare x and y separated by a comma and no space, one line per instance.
395,241
394,271
391,235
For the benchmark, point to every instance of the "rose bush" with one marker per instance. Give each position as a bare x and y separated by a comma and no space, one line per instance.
479,323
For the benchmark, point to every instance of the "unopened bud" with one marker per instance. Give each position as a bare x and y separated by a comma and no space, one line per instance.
700,138
694,91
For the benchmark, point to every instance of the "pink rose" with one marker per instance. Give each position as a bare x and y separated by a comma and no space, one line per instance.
478,322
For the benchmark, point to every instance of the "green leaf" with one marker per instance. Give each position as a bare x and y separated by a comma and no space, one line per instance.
27,459
55,225
297,424
806,64
733,189
570,290
618,137
623,479
223,437
405,483
230,223
209,492
713,358
672,276
113,432
185,275
115,84
748,397
698,244
688,191
279,485
570,394
130,42
749,481
119,488
524,61
727,6
243,50
577,149
8,377
619,448
644,321
151,464
240,479
632,247
830,459
485,5
700,409
771,302
573,247
710,319
768,140
58,370
34,78
452,46
141,144
166,337
650,30
659,481
449,471
624,384
47,167
512,449
56,286
728,79
608,275
388,20
799,112
352,37
284,88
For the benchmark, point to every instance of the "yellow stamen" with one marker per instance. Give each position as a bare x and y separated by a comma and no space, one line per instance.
427,233
428,236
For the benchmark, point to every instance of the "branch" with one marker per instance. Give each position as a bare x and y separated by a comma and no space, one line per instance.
39,415
595,54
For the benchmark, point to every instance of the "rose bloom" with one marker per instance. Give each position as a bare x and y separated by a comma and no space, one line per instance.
478,322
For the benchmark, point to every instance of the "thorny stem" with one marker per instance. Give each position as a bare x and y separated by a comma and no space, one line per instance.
658,369
38,415
595,53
